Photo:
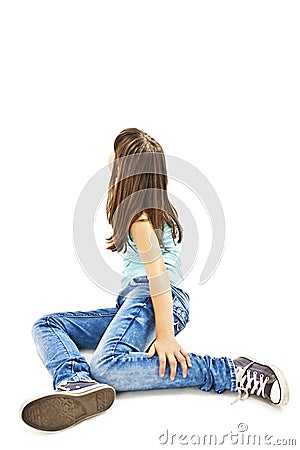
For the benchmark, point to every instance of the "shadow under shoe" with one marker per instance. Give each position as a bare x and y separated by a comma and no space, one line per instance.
265,381
69,404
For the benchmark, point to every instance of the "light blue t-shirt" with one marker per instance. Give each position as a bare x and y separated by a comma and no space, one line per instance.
133,265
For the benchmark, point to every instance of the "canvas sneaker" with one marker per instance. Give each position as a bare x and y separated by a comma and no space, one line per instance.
265,381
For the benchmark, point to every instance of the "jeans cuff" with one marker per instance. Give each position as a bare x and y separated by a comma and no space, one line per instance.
77,377
232,374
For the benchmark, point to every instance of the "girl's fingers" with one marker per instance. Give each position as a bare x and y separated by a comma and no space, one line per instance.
180,356
151,351
182,360
173,365
162,364
186,355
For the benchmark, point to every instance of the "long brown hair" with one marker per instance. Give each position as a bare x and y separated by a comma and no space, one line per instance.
138,154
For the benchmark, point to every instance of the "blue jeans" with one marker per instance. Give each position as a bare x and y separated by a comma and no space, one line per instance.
121,337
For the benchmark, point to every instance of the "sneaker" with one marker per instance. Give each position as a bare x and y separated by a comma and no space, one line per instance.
71,403
265,381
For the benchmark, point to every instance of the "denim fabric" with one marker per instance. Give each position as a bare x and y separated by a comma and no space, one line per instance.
121,337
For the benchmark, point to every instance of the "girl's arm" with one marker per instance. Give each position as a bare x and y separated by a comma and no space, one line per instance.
165,345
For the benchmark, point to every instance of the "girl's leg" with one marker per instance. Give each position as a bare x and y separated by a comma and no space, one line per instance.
60,336
120,359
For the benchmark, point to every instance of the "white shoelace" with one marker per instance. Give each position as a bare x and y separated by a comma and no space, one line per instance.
248,383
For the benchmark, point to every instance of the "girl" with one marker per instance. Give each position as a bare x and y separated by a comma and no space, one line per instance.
135,343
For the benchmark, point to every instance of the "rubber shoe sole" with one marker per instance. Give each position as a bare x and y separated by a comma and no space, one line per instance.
60,410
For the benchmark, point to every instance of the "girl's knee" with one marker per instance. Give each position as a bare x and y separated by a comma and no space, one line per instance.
102,369
39,323
98,368
42,323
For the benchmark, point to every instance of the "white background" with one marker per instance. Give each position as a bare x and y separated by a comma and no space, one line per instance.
216,83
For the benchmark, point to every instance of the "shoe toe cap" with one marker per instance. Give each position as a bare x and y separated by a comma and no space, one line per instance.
275,393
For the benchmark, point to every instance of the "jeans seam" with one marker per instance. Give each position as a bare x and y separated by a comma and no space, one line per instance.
133,318
83,316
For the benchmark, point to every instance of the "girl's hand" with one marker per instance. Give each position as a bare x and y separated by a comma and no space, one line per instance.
167,348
